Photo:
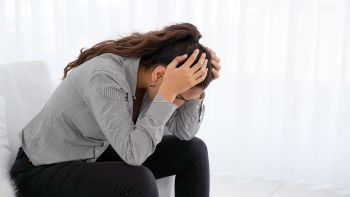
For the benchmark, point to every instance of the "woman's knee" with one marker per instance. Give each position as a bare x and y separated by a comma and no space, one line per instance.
143,174
144,182
197,148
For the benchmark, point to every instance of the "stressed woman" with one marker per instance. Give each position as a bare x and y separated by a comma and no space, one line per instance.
125,114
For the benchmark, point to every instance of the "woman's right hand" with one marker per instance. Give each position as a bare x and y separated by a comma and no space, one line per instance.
178,80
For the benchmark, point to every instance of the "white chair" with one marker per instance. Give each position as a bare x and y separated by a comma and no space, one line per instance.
26,87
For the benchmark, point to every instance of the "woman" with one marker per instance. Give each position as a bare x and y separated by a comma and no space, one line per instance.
103,131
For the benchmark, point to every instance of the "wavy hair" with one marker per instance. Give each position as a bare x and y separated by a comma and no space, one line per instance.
154,47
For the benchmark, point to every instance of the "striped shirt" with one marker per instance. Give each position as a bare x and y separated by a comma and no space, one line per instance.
92,108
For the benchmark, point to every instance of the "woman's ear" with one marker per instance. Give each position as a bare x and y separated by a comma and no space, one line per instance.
158,73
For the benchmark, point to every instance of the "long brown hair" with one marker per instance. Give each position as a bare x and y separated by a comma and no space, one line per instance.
154,47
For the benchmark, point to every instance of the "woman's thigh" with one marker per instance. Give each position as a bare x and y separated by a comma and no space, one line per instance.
173,156
170,157
75,179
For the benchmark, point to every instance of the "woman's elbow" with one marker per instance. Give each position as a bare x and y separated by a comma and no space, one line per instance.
185,136
134,161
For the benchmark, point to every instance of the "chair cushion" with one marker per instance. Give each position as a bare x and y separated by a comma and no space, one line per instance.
4,144
26,86
6,186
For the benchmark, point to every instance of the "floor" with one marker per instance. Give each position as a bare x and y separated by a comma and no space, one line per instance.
223,186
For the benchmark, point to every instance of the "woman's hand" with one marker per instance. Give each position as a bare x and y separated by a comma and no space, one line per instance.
215,61
178,80
193,93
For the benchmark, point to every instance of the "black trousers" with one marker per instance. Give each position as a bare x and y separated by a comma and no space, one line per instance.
111,176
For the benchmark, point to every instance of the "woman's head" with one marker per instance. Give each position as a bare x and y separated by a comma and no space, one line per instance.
177,40
154,48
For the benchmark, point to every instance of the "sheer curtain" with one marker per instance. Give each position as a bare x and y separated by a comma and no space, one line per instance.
281,106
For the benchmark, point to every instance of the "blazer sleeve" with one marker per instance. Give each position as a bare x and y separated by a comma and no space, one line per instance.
186,120
109,105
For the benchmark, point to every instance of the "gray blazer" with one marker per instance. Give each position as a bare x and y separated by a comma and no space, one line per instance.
92,108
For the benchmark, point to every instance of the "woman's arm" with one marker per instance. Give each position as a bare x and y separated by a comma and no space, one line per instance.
186,120
110,106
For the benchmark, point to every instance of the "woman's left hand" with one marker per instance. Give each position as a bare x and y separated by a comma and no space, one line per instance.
215,61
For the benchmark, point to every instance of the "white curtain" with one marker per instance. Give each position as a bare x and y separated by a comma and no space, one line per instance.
281,106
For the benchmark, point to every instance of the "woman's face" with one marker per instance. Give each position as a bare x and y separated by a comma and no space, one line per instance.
193,93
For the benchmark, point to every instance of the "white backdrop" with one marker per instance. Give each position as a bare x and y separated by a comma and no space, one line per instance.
281,107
